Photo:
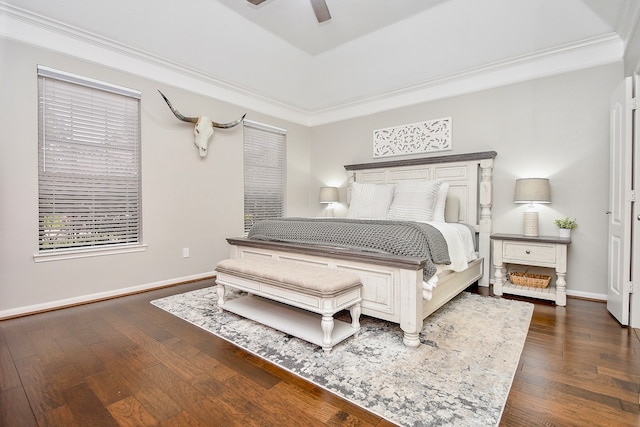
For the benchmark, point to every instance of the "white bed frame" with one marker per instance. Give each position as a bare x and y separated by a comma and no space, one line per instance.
393,288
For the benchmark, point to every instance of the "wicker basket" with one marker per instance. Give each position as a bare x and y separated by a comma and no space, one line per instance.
528,279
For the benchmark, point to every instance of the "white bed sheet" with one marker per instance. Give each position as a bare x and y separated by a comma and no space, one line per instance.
460,241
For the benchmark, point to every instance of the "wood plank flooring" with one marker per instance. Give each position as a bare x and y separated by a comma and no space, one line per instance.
124,362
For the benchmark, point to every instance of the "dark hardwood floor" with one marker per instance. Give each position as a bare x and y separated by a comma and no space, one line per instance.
124,362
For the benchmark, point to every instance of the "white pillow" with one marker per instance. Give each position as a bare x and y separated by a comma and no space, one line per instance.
414,201
452,209
370,201
441,201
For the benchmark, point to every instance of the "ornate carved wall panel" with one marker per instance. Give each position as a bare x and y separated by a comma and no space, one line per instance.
423,137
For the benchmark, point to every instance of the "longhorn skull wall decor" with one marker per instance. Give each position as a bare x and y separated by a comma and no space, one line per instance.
203,130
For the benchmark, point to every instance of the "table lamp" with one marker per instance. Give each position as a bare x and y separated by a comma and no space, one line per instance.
329,195
532,190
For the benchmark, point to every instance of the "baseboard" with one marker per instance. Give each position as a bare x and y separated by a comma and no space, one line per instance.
587,295
100,296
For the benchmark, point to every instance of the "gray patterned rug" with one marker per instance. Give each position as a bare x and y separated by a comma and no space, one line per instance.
459,376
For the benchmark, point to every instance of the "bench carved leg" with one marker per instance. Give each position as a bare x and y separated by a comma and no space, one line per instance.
327,328
220,292
355,311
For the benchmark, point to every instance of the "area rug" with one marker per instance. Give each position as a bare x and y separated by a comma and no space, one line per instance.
459,376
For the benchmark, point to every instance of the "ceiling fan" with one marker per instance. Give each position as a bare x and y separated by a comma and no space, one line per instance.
319,7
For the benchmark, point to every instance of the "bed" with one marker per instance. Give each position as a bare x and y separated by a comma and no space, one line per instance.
395,286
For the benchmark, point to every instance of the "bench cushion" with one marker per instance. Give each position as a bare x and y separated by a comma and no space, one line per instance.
317,280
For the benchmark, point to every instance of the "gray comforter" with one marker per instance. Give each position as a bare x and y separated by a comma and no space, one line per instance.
391,237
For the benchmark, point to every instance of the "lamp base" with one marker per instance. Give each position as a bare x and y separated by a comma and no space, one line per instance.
531,223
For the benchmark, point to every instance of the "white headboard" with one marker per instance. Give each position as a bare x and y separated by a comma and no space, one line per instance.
470,181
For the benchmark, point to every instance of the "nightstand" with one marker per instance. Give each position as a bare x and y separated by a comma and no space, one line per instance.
541,251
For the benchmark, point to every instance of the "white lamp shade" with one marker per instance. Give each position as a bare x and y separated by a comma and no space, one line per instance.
328,195
532,190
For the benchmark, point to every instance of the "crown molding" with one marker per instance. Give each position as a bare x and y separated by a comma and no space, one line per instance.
569,57
33,29
29,28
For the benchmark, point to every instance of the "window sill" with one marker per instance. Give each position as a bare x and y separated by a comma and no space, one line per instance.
86,253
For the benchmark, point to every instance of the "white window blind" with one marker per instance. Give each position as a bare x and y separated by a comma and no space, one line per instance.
264,173
88,163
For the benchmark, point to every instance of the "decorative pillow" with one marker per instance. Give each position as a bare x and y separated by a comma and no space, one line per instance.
414,201
441,201
370,201
452,209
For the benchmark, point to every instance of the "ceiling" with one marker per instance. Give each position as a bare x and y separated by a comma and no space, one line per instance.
372,55
294,21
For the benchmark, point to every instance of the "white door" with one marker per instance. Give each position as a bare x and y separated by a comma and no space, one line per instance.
634,321
619,244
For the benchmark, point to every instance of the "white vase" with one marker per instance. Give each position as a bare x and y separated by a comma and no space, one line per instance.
564,232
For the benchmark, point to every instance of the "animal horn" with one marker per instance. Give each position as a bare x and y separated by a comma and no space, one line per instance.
228,125
177,113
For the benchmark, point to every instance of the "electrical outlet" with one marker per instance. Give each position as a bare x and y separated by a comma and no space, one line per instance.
185,252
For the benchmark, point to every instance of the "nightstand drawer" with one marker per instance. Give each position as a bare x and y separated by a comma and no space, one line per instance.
528,252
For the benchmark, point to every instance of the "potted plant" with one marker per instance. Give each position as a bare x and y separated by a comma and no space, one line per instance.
566,224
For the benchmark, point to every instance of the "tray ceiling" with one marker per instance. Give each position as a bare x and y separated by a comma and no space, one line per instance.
370,51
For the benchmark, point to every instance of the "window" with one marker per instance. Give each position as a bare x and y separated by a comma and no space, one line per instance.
88,164
264,172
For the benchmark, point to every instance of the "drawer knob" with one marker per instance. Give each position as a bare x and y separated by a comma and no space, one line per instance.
527,251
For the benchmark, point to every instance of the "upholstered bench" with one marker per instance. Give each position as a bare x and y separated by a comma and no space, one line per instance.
288,296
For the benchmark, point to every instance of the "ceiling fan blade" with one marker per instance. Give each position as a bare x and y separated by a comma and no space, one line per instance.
321,10
256,2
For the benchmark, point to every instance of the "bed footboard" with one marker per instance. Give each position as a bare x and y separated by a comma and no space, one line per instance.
392,286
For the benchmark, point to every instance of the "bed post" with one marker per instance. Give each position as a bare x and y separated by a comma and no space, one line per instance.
411,306
351,178
484,245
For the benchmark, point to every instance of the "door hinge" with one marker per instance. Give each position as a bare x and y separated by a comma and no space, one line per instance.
633,197
632,104
628,287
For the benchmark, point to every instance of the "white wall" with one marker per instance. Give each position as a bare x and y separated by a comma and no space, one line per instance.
187,201
555,127
632,52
